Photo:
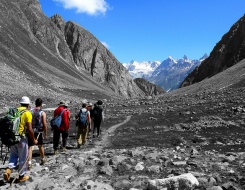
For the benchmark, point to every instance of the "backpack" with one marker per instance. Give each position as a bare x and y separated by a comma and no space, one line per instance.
9,127
82,118
37,120
96,113
55,123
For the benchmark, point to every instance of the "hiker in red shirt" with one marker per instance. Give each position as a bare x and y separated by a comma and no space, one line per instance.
63,129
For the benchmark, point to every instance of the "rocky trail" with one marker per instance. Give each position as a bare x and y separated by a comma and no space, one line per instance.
75,166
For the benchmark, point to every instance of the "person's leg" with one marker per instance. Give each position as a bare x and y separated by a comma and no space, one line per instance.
84,135
64,138
98,129
23,156
41,151
13,160
79,136
95,127
30,149
56,138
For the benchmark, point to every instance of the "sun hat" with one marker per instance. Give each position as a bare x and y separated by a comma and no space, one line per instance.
25,100
99,102
63,103
90,104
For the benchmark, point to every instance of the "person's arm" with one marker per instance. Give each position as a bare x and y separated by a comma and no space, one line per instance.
66,119
89,120
45,126
31,133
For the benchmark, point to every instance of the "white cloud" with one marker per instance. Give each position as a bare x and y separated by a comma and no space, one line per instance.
91,7
105,44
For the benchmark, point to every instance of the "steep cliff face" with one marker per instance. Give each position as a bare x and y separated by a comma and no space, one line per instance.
90,54
56,57
227,52
148,88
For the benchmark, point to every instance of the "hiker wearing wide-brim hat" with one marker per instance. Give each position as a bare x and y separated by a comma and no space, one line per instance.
97,116
63,103
63,130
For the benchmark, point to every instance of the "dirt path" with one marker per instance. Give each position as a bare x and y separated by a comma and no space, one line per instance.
104,142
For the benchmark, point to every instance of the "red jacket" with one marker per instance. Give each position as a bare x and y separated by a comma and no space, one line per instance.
65,125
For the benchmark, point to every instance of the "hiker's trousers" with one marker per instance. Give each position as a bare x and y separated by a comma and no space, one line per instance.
19,152
56,138
82,133
97,125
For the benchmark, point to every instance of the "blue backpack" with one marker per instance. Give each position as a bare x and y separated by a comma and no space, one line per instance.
82,118
55,123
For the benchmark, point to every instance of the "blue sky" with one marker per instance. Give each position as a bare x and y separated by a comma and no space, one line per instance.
149,30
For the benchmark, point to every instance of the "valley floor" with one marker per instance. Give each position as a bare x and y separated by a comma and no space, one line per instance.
199,133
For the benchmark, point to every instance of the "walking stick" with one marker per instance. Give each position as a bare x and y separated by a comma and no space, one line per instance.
23,165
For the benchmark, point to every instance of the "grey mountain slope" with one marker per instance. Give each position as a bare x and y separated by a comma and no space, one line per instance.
227,52
149,88
35,55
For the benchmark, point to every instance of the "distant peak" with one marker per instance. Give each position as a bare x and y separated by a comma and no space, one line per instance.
204,56
185,57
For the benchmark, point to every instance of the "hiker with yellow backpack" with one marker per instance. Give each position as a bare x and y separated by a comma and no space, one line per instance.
19,149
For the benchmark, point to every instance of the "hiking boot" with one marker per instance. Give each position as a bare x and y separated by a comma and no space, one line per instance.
6,175
93,136
23,178
43,160
56,152
78,146
64,149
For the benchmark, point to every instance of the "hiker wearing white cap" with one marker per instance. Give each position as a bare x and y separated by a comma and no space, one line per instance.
19,151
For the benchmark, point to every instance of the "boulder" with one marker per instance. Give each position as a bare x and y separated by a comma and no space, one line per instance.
181,182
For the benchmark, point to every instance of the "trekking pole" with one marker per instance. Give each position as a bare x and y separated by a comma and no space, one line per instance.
2,151
23,165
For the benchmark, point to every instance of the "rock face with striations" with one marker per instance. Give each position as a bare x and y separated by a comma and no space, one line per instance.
227,52
148,88
91,55
52,57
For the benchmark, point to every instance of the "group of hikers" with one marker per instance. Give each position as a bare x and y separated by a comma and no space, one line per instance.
33,130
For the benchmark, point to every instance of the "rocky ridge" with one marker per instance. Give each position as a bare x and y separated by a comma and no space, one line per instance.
37,54
227,52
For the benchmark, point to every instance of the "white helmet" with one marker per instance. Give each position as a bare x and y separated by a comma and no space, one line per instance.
25,100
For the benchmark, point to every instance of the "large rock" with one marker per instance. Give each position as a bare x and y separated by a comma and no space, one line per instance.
181,182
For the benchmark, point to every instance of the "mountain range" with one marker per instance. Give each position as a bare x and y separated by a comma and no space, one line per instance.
54,59
168,74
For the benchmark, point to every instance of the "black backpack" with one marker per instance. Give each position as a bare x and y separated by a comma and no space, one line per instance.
96,113
9,127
